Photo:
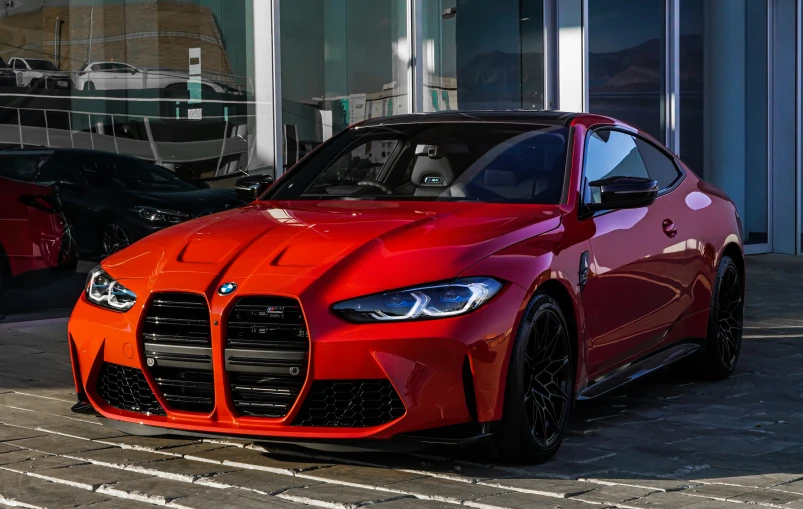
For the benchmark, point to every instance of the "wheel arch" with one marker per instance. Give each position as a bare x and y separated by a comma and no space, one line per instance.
734,252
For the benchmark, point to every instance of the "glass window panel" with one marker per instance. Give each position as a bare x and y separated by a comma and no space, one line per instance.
483,55
343,61
723,103
626,44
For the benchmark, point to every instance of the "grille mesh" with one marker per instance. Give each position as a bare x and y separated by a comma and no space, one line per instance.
350,403
177,339
126,388
266,355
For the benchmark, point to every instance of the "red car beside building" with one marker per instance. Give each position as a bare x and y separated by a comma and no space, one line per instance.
34,234
443,278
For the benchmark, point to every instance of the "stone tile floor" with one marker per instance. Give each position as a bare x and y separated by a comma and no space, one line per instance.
666,442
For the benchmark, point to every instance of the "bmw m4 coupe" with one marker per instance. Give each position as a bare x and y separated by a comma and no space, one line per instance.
442,278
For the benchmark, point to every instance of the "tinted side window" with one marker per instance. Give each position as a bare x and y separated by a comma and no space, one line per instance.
613,154
660,167
22,167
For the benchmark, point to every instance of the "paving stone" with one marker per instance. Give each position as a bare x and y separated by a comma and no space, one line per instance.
154,490
247,458
81,429
57,444
361,476
225,498
646,483
754,481
194,449
119,503
444,490
8,433
792,487
413,503
660,500
521,500
768,497
26,491
334,495
548,487
117,457
7,448
613,495
264,482
722,492
87,476
147,443
42,463
18,456
179,469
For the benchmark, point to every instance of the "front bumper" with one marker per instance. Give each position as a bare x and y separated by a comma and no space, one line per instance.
446,372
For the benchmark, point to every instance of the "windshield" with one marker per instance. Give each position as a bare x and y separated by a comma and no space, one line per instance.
478,161
42,65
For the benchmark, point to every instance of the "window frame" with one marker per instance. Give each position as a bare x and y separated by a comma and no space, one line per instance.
583,212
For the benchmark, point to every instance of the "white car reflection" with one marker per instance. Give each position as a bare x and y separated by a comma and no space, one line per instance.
122,76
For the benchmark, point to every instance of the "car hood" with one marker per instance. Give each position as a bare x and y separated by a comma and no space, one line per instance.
375,244
198,202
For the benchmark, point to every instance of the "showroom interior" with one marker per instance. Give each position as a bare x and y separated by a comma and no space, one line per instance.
213,90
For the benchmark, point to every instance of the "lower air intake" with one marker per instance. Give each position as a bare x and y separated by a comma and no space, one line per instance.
126,388
350,404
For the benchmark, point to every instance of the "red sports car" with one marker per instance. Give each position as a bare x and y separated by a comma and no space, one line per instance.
442,278
34,234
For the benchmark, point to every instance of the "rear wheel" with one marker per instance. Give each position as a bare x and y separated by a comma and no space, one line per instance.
724,341
540,381
89,86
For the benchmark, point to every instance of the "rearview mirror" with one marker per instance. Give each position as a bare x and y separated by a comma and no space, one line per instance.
253,186
622,193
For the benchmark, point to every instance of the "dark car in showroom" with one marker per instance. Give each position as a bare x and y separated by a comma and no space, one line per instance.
111,200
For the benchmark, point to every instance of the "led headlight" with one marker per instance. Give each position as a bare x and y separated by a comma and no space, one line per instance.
424,302
102,290
161,216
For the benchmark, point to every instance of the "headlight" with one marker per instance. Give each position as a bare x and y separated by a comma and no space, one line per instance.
105,292
424,302
161,216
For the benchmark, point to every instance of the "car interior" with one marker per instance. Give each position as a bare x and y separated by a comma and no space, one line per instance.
516,164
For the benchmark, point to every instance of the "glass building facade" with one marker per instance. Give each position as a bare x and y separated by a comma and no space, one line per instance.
137,114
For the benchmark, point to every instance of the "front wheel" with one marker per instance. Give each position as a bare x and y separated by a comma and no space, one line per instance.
719,354
539,390
114,238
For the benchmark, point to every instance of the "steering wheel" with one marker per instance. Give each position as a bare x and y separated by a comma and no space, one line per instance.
378,185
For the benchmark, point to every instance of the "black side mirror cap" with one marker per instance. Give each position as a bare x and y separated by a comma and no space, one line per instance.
623,193
251,187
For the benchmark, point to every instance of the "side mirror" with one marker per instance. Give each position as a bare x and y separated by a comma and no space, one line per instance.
253,186
622,193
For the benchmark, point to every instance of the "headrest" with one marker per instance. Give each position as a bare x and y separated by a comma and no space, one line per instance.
429,172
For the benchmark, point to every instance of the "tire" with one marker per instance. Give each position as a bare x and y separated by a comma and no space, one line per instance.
5,272
113,238
722,346
539,392
89,86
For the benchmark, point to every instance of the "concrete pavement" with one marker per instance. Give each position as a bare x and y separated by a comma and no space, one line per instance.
666,442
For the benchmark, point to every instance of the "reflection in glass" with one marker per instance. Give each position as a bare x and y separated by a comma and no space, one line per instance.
483,55
723,102
627,41
342,61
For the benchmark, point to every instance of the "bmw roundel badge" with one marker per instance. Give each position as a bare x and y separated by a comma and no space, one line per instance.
226,289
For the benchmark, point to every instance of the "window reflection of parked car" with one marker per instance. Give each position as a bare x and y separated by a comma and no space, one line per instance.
34,233
27,70
7,77
112,201
121,76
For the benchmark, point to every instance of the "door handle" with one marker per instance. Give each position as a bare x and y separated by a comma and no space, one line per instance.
670,229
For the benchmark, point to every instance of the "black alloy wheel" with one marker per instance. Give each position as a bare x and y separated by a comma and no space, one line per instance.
719,354
114,238
539,390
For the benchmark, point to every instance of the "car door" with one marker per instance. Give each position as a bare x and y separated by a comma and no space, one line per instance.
634,294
